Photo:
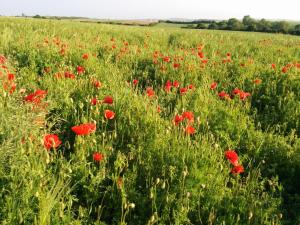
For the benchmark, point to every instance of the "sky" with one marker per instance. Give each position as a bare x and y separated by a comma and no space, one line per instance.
155,9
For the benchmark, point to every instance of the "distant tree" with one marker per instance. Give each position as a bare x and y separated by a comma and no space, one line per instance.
297,29
264,26
39,17
280,27
234,24
222,25
249,23
213,26
201,26
252,27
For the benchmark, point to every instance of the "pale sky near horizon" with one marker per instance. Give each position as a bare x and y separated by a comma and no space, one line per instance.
155,9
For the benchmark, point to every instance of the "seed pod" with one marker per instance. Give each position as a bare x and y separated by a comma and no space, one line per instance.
184,173
151,195
152,218
163,186
250,215
157,181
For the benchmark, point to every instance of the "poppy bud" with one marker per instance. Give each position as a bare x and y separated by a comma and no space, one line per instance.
131,205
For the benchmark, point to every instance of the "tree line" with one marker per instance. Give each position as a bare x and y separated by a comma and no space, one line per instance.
250,24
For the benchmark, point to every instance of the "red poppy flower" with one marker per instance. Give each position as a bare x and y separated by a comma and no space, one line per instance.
135,82
176,84
97,84
69,75
257,81
150,92
108,100
84,129
10,76
51,141
290,65
40,93
232,156
191,86
85,56
178,119
9,86
176,65
36,97
224,95
213,86
237,169
204,61
284,69
62,51
158,109
13,87
190,130
2,59
201,55
236,91
183,91
94,101
189,116
168,86
167,59
80,69
226,60
108,114
97,156
273,66
244,95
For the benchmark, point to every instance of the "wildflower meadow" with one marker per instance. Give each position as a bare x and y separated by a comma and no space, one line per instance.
111,124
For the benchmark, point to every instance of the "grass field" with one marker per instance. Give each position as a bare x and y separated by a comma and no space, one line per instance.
107,124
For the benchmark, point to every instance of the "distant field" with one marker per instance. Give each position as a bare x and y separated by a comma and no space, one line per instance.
109,124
